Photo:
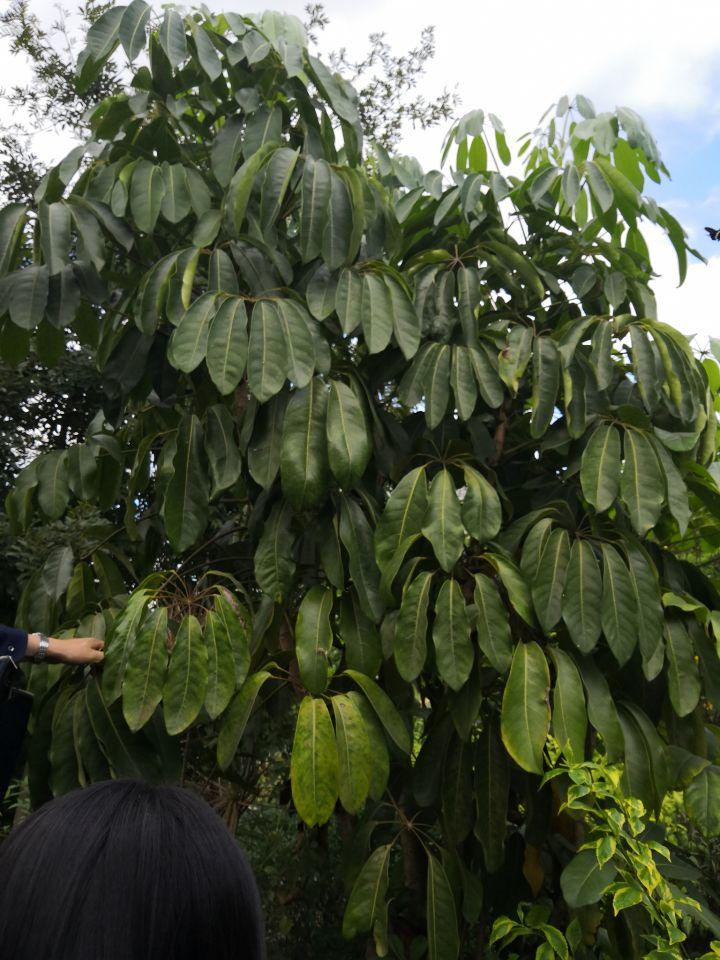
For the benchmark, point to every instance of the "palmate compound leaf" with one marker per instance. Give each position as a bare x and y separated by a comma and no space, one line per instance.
525,716
314,763
186,682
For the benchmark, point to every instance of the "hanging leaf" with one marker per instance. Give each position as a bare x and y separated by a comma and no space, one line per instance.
402,517
569,716
682,674
186,495
237,717
546,381
410,646
172,38
367,897
314,763
221,666
600,467
314,638
515,356
702,802
646,592
619,610
642,486
314,198
274,560
443,521
548,589
353,750
451,635
266,367
584,881
145,671
303,459
493,626
348,441
357,539
442,932
405,322
227,345
223,456
146,194
525,717
298,342
237,624
188,344
360,636
481,509
133,24
582,600
186,682
492,792
386,711
436,382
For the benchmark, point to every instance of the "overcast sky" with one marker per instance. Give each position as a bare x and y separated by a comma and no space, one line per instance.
517,57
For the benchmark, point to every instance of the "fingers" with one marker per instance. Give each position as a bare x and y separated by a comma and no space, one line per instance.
93,642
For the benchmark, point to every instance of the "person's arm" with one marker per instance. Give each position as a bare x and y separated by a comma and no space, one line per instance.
20,645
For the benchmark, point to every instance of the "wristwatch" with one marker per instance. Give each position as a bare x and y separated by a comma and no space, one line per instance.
43,644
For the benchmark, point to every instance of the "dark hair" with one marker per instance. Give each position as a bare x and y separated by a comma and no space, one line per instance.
127,871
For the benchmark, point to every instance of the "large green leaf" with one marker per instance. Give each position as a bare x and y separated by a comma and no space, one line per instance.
492,791
548,588
410,644
442,931
387,713
481,509
583,881
600,467
569,716
146,195
546,381
376,313
220,665
145,672
189,341
601,708
642,486
357,538
360,637
237,624
298,347
186,495
682,673
402,517
492,624
406,325
12,222
367,897
53,490
303,459
436,382
241,185
129,755
172,37
176,203
581,604
223,456
274,560
451,635
619,610
650,617
226,150
186,682
237,717
525,717
348,440
702,802
227,344
314,638
443,521
132,27
55,234
28,296
314,763
266,351
263,454
354,758
278,175
314,197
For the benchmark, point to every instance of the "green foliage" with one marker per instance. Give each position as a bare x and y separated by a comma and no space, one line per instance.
404,458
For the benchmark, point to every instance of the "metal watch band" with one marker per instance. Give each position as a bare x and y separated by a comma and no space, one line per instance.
43,644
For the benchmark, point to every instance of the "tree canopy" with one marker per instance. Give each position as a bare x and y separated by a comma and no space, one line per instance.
403,456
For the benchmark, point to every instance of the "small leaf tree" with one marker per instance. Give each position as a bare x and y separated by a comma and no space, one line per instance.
401,455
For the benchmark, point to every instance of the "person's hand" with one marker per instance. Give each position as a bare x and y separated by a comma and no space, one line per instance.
74,650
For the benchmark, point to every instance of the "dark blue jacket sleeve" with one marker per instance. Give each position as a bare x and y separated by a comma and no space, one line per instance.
13,643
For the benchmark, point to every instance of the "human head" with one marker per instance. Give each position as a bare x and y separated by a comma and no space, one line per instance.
123,870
